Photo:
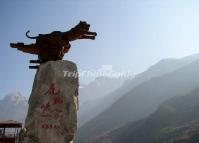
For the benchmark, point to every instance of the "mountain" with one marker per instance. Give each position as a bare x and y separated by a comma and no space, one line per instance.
91,96
144,98
162,67
175,121
93,106
13,107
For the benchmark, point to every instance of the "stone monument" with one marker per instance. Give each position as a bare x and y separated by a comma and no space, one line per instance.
53,103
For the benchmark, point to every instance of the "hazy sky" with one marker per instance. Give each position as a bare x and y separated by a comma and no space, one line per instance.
132,34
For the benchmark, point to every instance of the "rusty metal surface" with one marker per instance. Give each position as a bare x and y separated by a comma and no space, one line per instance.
53,46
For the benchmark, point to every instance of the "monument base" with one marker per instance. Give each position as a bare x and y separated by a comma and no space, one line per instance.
52,113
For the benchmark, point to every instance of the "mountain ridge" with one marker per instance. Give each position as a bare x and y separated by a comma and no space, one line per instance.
178,83
175,121
13,107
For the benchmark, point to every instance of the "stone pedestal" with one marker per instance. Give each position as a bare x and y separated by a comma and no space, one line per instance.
52,113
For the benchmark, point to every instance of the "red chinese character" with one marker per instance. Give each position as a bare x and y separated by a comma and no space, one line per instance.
59,116
46,107
44,126
53,90
58,100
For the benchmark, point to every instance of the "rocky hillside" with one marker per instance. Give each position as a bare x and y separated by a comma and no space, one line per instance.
92,95
144,98
175,121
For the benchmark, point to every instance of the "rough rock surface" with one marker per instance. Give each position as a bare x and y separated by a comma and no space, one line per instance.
52,113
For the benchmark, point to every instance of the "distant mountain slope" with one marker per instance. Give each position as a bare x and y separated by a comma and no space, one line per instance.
13,106
162,67
176,121
91,95
142,101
